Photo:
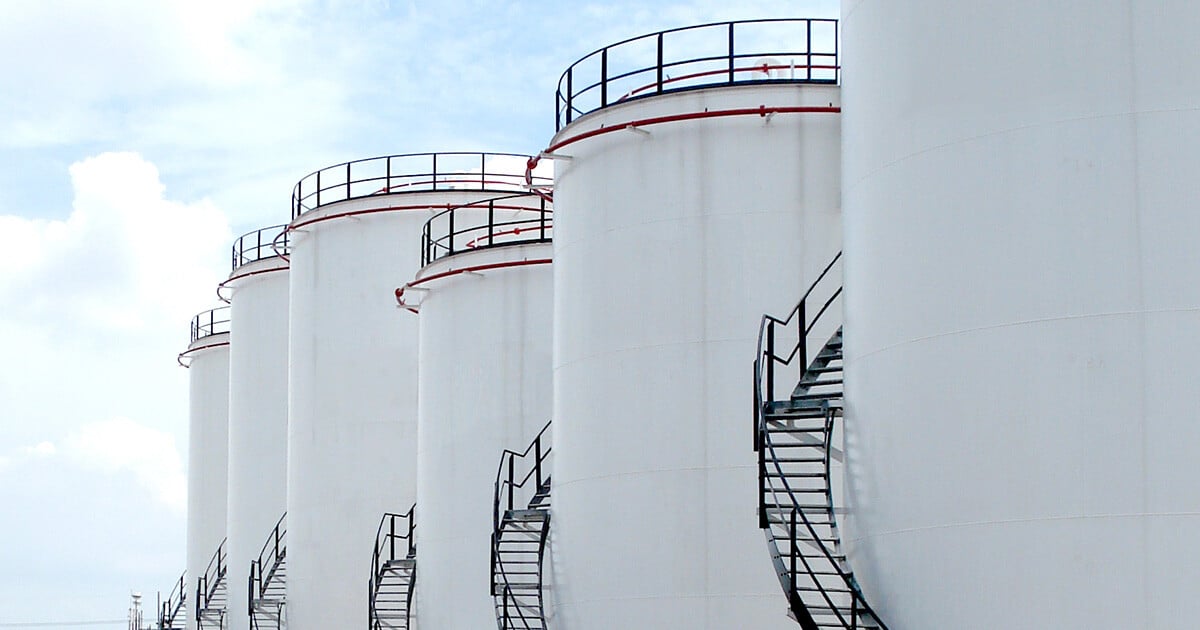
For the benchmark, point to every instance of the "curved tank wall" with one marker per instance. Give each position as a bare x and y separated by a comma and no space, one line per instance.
670,243
485,385
353,425
258,419
1022,302
208,424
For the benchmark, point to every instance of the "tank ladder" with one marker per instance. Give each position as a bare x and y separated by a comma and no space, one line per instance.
211,595
794,435
172,613
519,535
393,573
268,581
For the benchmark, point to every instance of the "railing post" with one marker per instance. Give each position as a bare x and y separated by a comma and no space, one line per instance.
483,171
387,184
450,236
412,530
808,47
604,78
537,462
731,78
660,64
510,482
434,175
391,538
542,222
569,105
491,221
769,358
802,341
318,188
347,180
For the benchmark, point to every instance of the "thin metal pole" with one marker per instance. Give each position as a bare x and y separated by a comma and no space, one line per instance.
604,78
731,52
660,63
569,107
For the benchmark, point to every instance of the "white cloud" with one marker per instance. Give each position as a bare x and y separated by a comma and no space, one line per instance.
126,256
41,449
121,445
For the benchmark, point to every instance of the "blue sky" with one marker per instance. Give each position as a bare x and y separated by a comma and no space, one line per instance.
137,138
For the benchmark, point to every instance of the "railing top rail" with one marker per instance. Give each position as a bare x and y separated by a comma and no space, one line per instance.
274,539
214,321
448,232
311,193
824,60
258,245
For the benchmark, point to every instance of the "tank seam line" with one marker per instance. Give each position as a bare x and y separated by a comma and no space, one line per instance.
1025,322
1008,130
1071,517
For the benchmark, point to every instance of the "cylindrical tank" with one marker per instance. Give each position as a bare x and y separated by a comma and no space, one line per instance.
257,290
207,360
680,218
1022,303
352,438
485,385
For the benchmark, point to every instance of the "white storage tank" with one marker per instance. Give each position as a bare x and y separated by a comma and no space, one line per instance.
691,197
207,360
485,385
1022,307
257,289
352,439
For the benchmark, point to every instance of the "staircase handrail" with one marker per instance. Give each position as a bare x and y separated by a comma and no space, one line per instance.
764,372
214,576
386,539
273,552
168,610
510,483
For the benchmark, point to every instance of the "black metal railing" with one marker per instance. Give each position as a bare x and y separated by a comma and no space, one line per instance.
171,609
509,481
394,540
211,322
268,242
413,172
793,50
797,327
512,479
212,583
267,571
805,327
486,223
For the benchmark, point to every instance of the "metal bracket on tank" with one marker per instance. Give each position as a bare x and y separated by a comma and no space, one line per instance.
638,130
555,156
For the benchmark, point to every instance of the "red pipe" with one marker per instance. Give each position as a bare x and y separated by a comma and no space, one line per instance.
454,272
761,110
185,353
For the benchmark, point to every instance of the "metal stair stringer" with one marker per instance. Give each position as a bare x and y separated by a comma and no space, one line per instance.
393,573
268,581
172,613
520,536
794,433
211,593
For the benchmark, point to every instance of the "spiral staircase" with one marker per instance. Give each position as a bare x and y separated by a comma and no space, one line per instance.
794,439
519,535
268,581
393,573
211,596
